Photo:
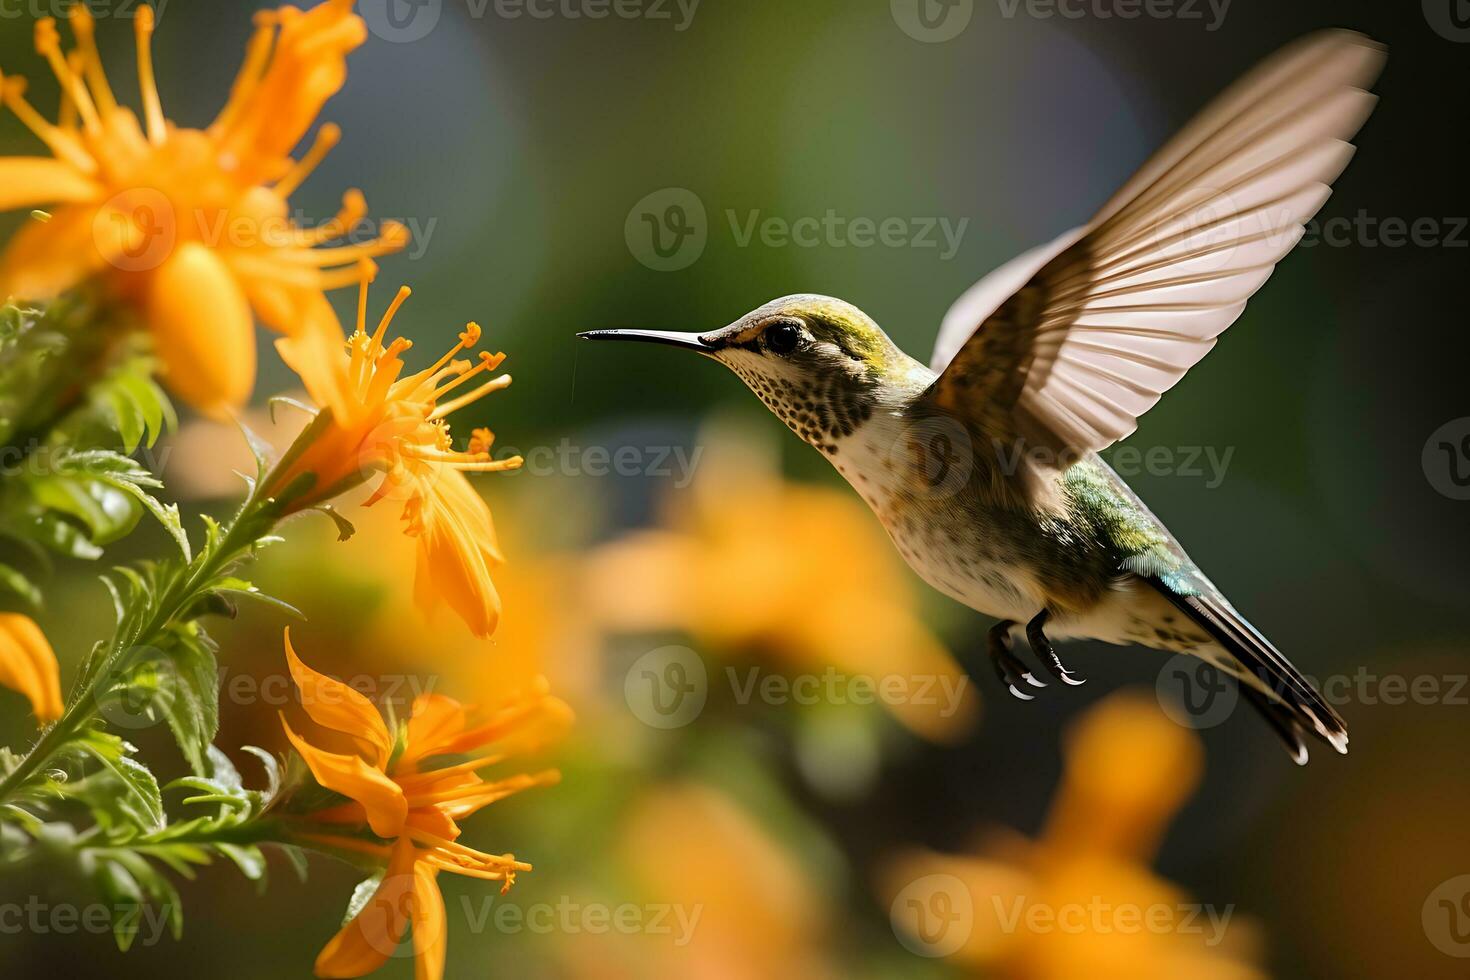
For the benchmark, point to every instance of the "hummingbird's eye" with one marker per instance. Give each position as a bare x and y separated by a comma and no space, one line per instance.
783,336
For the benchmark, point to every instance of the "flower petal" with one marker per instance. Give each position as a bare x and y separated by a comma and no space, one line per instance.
202,328
366,942
456,551
28,182
335,705
28,665
47,258
435,722
380,796
430,932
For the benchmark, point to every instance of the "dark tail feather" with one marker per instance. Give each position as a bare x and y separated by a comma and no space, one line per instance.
1299,708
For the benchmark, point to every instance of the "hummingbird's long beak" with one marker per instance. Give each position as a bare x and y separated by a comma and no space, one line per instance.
689,341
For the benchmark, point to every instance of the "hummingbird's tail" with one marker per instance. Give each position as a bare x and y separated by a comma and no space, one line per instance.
1283,696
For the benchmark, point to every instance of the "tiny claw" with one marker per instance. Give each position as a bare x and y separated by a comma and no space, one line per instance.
1070,677
1031,679
1019,694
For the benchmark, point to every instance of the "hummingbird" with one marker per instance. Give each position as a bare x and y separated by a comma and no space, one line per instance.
983,465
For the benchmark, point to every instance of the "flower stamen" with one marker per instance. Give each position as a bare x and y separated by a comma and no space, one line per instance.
90,61
147,85
403,294
469,398
257,57
327,137
48,45
57,140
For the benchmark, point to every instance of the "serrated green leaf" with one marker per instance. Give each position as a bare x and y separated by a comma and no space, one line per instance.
140,799
179,679
222,770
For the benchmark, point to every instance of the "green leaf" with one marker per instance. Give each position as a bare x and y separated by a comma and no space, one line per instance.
68,486
247,858
259,448
272,768
140,800
232,586
178,679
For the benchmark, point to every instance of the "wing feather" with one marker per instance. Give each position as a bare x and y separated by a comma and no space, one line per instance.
1071,343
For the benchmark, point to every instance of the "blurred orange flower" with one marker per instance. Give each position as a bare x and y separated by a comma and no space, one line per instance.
190,227
394,789
28,665
1081,901
753,563
740,906
375,421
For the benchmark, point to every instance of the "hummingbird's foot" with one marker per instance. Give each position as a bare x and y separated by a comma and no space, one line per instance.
1044,651
1012,673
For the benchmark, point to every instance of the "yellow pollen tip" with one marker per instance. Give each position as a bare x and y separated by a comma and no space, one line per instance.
143,20
471,335
395,235
47,38
81,20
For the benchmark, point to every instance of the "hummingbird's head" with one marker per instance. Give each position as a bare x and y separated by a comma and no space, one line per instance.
820,364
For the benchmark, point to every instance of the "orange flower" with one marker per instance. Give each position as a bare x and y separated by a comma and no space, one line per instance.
190,227
28,665
832,590
381,422
1081,901
393,789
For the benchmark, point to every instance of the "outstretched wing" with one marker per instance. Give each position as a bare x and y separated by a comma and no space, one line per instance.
1067,346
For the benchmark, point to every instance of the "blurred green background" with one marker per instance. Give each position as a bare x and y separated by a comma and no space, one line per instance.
518,150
